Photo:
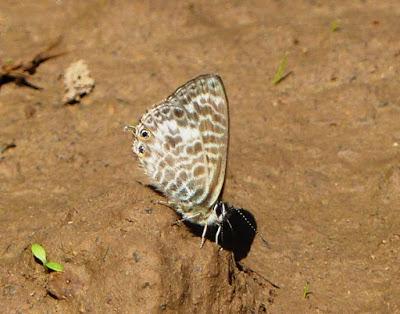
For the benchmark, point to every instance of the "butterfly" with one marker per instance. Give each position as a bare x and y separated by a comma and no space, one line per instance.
182,146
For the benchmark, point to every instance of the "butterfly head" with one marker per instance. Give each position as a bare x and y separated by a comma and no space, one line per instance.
221,212
141,137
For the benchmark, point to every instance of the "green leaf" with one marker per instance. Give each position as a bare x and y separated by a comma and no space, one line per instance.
54,266
335,26
280,73
8,61
39,252
306,290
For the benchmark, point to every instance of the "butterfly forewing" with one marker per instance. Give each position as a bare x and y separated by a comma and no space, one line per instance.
204,98
182,143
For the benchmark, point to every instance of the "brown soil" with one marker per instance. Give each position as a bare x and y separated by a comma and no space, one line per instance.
315,158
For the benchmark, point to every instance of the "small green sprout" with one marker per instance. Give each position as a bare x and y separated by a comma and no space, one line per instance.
39,252
281,73
8,61
54,266
306,290
335,26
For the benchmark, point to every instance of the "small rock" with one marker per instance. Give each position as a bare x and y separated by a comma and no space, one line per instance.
77,81
67,284
146,285
148,210
136,257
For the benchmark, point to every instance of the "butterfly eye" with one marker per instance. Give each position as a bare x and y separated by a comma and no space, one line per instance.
141,149
144,133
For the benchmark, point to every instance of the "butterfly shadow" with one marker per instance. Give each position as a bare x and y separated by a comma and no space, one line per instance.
236,235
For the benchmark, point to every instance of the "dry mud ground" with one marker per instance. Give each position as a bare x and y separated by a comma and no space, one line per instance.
315,158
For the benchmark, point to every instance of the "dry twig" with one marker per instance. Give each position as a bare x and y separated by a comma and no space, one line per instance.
19,72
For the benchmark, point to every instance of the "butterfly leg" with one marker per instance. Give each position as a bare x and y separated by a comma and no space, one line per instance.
178,222
203,236
164,203
217,234
229,223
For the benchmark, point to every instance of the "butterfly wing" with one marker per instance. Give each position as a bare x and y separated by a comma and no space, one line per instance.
182,143
205,100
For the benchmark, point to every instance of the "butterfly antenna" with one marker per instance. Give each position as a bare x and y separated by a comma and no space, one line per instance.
240,212
130,128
